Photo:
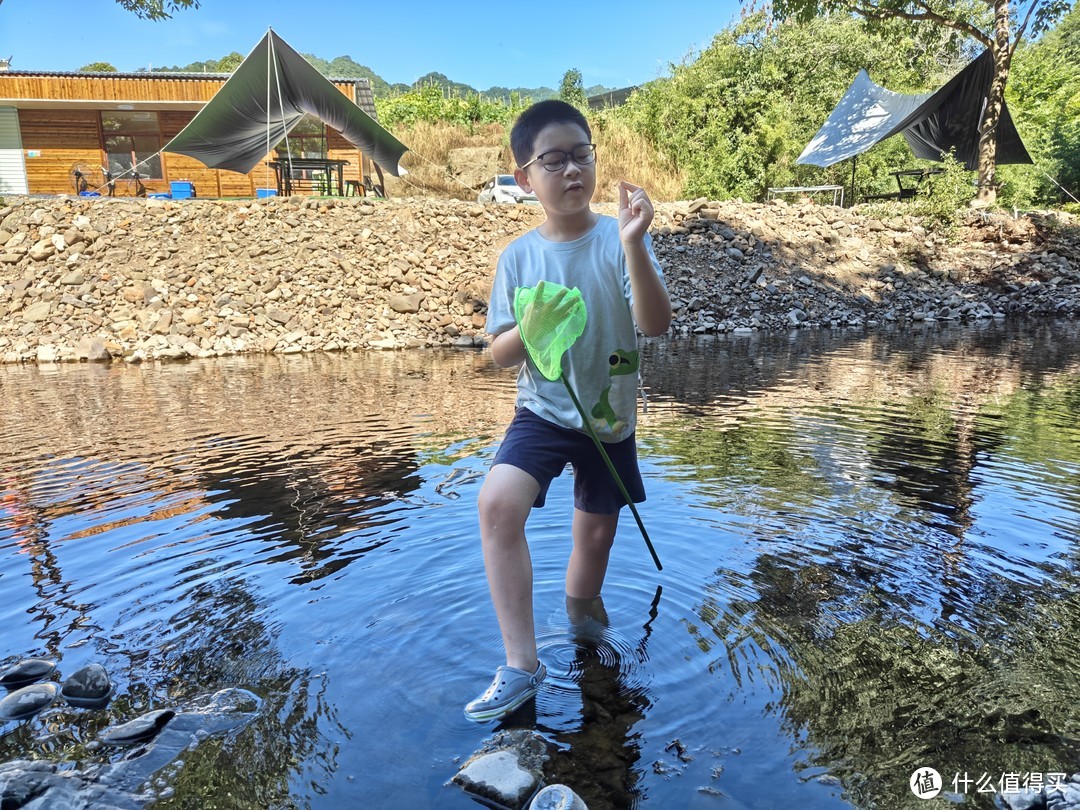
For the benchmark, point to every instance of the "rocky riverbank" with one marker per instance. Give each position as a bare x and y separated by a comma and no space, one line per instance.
101,279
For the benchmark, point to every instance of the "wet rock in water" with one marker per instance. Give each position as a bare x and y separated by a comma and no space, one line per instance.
557,797
1065,796
1058,796
507,770
88,688
27,671
140,729
1024,800
37,784
28,701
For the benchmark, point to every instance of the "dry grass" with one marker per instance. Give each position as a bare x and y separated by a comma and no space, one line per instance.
622,155
625,155
427,159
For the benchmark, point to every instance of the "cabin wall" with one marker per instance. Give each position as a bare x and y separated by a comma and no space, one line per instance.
61,140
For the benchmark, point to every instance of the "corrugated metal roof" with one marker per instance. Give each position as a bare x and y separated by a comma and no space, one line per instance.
364,95
365,98
145,74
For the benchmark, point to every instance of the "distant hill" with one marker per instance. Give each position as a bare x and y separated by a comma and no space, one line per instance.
345,68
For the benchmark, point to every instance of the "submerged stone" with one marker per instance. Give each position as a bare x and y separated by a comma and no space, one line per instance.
557,797
140,729
28,701
507,770
27,671
498,777
88,688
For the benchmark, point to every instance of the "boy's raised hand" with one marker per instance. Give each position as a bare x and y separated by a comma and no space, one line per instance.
635,212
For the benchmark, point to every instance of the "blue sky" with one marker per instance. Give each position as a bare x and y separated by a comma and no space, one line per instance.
483,44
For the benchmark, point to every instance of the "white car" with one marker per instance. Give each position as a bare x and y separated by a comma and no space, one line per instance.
503,188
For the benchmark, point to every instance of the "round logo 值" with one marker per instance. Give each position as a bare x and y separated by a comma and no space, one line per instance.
925,783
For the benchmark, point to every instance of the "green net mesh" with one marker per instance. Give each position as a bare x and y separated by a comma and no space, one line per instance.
550,318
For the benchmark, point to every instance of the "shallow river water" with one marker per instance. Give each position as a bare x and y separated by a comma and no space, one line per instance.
870,547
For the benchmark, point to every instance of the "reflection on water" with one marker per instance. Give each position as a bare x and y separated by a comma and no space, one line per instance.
870,547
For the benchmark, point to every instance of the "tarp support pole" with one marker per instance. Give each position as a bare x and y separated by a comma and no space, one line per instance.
854,162
281,106
266,176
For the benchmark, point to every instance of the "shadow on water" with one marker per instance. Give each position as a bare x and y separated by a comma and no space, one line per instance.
870,545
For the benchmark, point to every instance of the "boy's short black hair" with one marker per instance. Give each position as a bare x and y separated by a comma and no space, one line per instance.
535,118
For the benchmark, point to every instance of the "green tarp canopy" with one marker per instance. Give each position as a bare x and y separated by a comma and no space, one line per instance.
266,97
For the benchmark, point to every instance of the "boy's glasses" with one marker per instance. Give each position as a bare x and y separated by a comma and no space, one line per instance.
556,159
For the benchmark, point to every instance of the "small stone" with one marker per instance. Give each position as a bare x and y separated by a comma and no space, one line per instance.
508,770
26,672
28,701
140,729
92,349
557,797
406,303
37,312
498,777
89,687
1026,799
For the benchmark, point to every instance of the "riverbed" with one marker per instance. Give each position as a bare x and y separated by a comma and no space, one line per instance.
869,539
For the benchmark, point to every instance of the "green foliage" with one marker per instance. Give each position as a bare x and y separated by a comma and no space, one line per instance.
432,104
571,89
156,9
940,200
98,67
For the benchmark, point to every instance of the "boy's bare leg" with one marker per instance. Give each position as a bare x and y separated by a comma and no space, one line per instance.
593,537
505,501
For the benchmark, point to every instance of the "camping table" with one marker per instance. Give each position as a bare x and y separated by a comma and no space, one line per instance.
919,174
287,180
837,191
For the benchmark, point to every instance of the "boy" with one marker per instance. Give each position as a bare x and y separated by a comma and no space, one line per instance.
612,263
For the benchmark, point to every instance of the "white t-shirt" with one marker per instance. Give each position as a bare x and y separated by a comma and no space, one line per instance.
602,365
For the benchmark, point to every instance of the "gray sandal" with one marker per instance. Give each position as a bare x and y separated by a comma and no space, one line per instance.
510,688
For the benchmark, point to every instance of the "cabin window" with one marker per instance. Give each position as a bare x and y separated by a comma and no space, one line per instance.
132,139
306,140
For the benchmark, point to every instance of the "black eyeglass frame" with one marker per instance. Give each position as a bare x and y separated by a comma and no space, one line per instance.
566,157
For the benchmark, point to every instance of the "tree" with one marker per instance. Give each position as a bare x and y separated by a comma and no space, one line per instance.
157,9
997,25
228,64
1045,99
571,89
98,67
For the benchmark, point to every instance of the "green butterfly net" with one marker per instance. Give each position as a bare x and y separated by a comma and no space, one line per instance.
550,318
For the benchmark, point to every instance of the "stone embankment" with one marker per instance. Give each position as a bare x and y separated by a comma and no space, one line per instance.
100,279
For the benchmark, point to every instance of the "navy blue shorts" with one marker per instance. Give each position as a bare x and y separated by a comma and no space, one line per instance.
543,449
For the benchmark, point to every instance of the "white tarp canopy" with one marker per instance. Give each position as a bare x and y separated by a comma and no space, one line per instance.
268,95
932,123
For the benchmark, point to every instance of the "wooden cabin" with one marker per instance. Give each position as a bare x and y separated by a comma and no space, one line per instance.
59,132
